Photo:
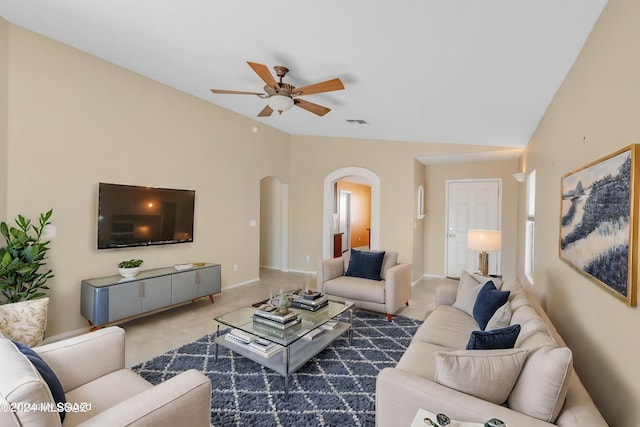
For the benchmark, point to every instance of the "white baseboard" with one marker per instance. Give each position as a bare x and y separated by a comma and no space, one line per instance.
289,270
268,267
236,285
427,276
433,276
303,272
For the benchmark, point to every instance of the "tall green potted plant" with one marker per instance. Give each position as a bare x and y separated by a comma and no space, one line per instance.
23,277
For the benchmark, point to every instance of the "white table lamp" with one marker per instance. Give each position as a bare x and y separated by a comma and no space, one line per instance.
484,241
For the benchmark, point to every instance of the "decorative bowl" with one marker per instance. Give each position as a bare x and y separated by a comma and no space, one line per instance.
129,272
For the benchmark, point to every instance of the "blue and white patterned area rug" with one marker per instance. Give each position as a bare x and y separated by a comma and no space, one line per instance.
335,388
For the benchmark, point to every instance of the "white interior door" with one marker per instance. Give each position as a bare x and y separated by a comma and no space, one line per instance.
345,220
470,204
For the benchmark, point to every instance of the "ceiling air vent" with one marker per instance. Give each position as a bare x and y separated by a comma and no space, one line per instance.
357,122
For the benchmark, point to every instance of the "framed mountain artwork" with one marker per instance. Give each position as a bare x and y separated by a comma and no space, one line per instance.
599,222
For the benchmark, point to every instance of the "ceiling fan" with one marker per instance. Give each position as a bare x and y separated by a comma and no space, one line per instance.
282,96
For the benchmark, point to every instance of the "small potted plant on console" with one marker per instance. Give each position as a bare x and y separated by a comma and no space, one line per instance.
129,268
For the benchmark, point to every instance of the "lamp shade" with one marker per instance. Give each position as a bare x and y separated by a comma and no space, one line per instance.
279,103
484,240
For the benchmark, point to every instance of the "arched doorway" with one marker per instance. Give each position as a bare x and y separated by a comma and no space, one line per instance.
329,203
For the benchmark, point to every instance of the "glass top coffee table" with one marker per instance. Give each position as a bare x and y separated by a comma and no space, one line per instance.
295,351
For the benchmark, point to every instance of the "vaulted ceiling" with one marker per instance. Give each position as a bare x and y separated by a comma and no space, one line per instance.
453,71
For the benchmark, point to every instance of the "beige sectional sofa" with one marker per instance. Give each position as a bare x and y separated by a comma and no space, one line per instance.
532,384
98,389
387,295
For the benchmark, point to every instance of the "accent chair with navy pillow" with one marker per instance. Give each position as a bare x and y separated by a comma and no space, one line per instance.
371,280
92,378
366,265
47,375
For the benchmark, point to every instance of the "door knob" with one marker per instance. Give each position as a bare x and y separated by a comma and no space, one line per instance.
452,235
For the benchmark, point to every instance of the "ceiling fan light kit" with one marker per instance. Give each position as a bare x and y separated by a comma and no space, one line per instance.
282,96
279,103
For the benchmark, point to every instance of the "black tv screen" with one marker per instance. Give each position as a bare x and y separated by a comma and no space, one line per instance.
139,216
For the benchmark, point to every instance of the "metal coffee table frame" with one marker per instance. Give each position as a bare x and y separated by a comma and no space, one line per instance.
296,351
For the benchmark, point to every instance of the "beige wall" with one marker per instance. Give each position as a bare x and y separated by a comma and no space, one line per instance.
595,112
435,221
4,112
77,120
314,158
271,222
418,223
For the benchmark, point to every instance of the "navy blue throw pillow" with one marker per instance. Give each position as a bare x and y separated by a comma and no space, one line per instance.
366,265
46,373
488,301
495,339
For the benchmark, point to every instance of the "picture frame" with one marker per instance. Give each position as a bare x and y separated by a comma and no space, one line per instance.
599,222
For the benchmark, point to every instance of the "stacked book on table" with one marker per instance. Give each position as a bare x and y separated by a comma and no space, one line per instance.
269,331
264,347
257,345
239,337
275,319
312,334
330,325
327,326
310,301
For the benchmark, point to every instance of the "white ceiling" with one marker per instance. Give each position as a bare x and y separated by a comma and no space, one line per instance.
454,71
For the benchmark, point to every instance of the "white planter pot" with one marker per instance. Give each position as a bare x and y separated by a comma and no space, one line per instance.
129,272
25,321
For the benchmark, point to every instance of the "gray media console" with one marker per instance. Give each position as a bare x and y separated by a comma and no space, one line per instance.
107,300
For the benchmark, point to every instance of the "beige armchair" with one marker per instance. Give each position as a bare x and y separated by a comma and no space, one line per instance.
387,295
91,370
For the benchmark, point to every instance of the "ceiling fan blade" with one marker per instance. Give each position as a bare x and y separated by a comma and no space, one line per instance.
310,106
266,112
264,73
235,92
328,86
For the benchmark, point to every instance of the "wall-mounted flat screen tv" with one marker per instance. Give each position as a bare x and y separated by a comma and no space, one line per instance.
140,216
